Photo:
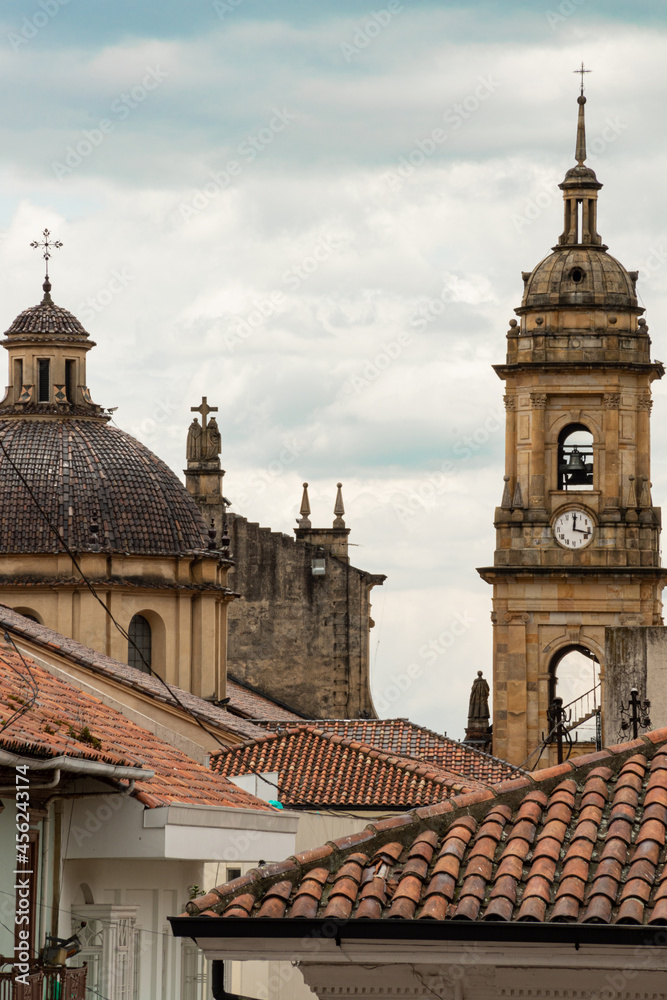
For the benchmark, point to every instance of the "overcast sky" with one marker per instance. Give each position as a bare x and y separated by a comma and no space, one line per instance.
316,213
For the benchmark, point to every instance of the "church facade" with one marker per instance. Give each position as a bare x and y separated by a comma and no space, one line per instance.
577,534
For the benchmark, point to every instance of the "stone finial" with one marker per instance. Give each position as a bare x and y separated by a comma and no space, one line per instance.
517,502
304,509
339,509
506,501
645,493
211,546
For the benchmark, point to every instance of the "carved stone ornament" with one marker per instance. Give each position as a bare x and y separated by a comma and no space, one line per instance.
510,402
538,400
516,617
612,400
644,401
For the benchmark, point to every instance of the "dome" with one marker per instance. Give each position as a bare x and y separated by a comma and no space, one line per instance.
46,319
580,275
85,472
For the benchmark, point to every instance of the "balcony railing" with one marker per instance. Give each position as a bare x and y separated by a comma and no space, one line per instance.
45,984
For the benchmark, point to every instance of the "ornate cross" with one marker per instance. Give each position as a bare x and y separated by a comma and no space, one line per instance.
582,71
204,409
46,245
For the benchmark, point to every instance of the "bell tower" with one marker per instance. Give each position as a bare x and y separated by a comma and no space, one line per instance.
577,535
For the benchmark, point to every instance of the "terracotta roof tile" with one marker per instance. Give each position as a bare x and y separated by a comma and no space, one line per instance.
318,768
593,866
65,721
406,739
129,677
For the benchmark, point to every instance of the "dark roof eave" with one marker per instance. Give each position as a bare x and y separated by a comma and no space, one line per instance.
413,931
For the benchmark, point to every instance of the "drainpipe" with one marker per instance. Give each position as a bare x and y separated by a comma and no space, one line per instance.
218,990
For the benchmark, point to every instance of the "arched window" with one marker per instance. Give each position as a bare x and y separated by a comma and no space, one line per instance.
139,654
575,458
574,676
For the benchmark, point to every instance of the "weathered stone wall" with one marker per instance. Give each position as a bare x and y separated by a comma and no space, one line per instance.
299,638
634,657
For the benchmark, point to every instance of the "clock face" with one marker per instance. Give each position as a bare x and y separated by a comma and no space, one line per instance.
573,529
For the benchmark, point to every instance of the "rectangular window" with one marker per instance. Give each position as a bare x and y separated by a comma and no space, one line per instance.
18,376
70,377
233,873
44,380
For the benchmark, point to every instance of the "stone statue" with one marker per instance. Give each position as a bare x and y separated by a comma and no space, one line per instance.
478,706
194,446
211,440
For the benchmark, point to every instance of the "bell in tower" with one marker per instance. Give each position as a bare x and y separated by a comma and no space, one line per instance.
577,536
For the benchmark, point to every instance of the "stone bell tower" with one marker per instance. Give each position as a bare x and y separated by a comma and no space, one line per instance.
577,535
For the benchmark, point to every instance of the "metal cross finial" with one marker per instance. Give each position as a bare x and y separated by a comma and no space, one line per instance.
204,409
582,71
47,245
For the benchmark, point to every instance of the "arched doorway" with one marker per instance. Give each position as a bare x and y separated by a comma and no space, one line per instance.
574,676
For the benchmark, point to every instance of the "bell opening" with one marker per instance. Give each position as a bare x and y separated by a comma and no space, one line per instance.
575,458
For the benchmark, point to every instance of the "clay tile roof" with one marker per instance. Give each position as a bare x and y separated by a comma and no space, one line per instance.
406,739
473,857
64,721
122,673
320,769
84,472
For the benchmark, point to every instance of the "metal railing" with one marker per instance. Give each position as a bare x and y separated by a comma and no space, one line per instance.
583,708
45,984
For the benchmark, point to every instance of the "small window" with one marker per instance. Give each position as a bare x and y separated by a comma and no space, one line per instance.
18,376
233,873
44,380
575,458
70,375
577,275
139,646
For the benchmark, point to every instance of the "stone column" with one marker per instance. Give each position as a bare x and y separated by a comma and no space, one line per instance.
537,472
611,487
644,406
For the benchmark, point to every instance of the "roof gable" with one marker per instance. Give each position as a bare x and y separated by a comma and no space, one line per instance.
318,768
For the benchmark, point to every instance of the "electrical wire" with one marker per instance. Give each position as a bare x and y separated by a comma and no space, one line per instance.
32,684
99,600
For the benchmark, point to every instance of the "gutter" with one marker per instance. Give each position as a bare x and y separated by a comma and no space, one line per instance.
413,931
72,765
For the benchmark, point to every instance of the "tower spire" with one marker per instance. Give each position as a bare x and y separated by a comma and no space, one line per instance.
580,151
580,189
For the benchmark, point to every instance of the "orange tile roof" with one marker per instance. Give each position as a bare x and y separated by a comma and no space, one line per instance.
210,715
317,768
400,736
65,721
580,842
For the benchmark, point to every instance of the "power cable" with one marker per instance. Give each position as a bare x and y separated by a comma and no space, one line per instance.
99,600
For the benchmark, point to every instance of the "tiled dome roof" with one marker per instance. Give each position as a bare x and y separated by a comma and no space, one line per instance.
579,275
84,472
47,319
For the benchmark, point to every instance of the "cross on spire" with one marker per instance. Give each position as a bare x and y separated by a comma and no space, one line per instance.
204,409
47,245
582,70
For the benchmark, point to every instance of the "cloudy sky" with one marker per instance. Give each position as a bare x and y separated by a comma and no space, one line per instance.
316,213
